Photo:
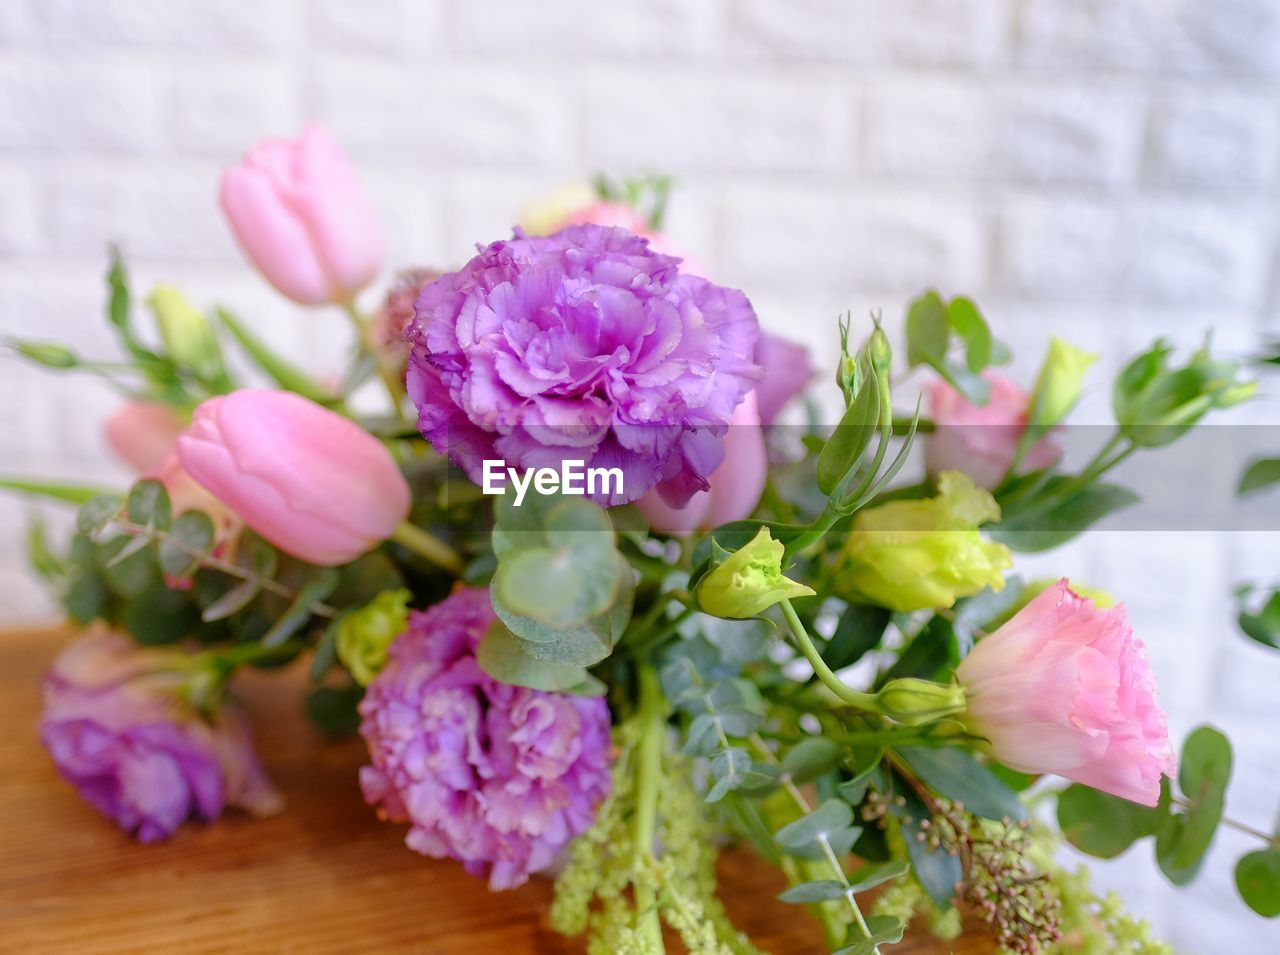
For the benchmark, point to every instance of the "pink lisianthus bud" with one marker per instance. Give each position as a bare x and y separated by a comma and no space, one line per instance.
142,433
736,484
982,440
300,213
1065,688
310,481
787,369
118,727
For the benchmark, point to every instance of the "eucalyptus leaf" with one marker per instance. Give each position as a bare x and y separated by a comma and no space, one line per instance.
314,591
884,929
937,870
95,514
235,599
1203,773
811,758
148,505
820,890
190,535
160,615
870,876
1102,825
805,835
505,657
957,775
733,770
1258,881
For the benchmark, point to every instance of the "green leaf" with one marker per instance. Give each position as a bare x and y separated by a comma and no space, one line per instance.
190,531
884,929
148,505
854,789
87,598
933,649
972,328
957,775
1032,529
747,819
326,651
128,565
859,631
851,437
42,559
928,331
314,591
96,513
831,822
937,870
53,490
1203,773
333,709
1261,473
870,876
820,890
1102,825
1258,881
811,758
1263,626
282,372
160,616
505,657
733,771
233,601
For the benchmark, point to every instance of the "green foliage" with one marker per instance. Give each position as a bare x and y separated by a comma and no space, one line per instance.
1262,625
278,369
937,870
1258,881
1261,473
957,775
1103,825
931,325
1203,772
829,828
505,657
189,541
1047,521
333,709
859,630
52,490
884,929
561,588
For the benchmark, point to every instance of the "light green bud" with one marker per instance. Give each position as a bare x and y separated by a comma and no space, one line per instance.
364,635
1058,387
915,702
186,332
47,353
748,581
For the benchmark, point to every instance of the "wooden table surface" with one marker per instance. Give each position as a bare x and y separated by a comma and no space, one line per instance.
324,876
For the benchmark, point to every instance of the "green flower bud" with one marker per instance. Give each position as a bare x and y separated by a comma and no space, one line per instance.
365,634
880,352
1058,388
186,332
918,555
915,702
748,581
47,353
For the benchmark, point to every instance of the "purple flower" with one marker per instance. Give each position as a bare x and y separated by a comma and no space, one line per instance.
500,777
118,729
583,345
788,368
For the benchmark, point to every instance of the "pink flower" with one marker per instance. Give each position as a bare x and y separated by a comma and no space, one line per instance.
142,433
187,494
310,481
787,369
621,215
1065,688
118,728
736,484
982,441
300,213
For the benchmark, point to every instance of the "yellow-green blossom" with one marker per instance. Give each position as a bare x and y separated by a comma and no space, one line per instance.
185,331
918,555
749,581
1058,387
365,634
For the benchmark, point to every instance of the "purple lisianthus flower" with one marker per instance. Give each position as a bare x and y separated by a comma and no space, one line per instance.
788,368
583,345
118,729
500,777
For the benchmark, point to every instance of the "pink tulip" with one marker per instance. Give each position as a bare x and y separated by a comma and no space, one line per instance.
310,481
142,433
787,369
982,441
736,484
186,494
1065,688
300,213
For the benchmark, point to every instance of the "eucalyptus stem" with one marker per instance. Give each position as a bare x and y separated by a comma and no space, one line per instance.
213,562
792,790
653,728
846,693
1244,827
429,547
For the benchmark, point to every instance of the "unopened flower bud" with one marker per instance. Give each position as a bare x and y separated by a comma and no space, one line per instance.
1058,388
186,332
365,634
748,581
915,702
47,353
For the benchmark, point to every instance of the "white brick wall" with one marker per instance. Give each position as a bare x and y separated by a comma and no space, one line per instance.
1106,169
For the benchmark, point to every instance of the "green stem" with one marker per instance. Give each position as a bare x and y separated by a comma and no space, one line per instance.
846,693
364,328
1272,841
429,547
645,643
821,524
653,728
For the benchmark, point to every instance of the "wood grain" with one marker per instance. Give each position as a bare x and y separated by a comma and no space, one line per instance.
324,876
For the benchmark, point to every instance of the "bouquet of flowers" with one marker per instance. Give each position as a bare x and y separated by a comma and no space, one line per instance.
594,610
